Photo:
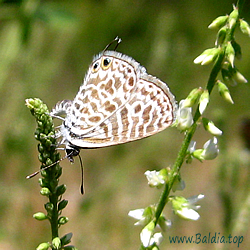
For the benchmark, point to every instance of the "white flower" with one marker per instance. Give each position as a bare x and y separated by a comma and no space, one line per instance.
185,208
184,117
144,216
138,214
155,178
209,152
210,149
147,236
188,214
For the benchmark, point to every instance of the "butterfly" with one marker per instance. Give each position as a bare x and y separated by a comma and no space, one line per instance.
118,102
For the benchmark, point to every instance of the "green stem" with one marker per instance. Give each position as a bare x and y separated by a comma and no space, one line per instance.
189,134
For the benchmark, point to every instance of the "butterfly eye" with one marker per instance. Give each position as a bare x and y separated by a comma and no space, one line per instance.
106,62
95,67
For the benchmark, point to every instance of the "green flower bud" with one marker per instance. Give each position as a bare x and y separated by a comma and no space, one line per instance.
210,127
233,17
221,36
192,98
63,220
230,54
45,191
208,56
224,92
43,246
42,182
218,22
66,239
61,189
238,77
40,148
245,28
40,216
49,207
62,204
56,243
44,173
41,159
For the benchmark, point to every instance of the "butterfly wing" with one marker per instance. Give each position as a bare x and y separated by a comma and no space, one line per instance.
118,105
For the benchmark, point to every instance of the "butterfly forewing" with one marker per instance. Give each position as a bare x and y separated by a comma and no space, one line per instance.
105,90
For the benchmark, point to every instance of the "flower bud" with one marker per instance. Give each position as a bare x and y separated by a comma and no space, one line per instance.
230,54
238,77
192,98
56,243
49,206
62,204
204,100
42,182
224,92
45,191
43,246
61,189
220,36
208,56
210,127
245,28
40,216
218,22
63,220
233,17
66,239
48,160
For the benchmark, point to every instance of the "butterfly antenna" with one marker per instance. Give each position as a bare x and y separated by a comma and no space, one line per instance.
118,40
82,171
41,169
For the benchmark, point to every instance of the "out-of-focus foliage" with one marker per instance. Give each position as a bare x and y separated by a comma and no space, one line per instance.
45,50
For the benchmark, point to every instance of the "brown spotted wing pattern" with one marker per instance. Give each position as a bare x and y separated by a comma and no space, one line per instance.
118,102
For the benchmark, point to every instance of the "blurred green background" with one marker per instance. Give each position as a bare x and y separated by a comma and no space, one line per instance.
45,50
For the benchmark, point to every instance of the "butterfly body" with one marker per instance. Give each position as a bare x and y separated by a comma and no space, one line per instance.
118,102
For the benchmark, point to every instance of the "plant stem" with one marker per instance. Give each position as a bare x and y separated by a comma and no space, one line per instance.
189,134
